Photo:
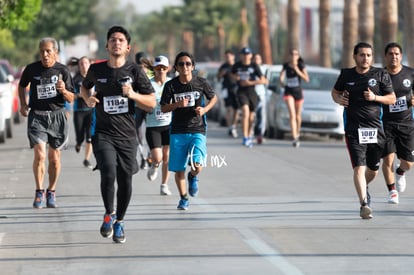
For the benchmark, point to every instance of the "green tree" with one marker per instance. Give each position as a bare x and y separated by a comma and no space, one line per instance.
16,14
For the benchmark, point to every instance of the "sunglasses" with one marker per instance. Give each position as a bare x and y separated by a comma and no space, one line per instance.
181,64
160,68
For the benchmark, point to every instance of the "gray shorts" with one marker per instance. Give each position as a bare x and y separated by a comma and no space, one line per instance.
48,127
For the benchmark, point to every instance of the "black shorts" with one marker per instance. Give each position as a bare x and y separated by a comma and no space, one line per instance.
364,154
249,98
297,94
399,139
48,127
232,100
158,136
110,151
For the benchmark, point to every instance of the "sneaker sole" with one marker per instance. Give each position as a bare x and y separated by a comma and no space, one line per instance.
120,241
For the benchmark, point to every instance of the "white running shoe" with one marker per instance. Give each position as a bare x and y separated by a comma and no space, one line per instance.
393,197
400,182
164,190
152,173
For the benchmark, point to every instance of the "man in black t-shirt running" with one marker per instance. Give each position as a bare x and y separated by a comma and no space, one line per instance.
398,123
362,90
119,85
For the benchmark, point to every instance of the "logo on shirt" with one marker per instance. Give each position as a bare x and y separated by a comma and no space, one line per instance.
54,79
406,83
102,80
372,82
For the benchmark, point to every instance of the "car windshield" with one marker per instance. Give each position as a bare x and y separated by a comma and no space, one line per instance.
3,76
320,81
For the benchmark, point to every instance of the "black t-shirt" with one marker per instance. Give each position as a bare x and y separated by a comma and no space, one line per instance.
114,112
293,81
247,72
43,94
79,104
185,120
228,81
402,111
362,113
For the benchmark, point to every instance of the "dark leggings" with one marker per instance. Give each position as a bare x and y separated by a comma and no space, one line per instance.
116,161
83,122
108,175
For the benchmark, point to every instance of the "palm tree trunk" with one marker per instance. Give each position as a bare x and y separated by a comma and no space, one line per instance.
263,32
366,21
324,38
293,11
389,20
409,29
350,31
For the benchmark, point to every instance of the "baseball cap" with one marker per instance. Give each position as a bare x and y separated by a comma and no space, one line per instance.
161,61
246,50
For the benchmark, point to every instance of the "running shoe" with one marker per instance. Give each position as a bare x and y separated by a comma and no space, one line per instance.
400,182
393,197
183,204
77,148
192,185
164,190
247,142
87,164
365,212
119,235
152,172
107,226
51,199
233,132
296,143
39,199
259,139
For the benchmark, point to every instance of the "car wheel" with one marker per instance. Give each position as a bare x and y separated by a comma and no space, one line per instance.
9,132
2,136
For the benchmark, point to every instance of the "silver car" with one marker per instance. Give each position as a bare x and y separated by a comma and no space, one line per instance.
320,114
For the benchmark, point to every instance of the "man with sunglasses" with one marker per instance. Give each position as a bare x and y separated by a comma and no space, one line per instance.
184,96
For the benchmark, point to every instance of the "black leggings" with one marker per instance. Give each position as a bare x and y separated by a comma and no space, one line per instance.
82,121
108,175
116,161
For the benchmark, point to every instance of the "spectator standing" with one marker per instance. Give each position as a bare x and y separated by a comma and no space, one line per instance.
261,90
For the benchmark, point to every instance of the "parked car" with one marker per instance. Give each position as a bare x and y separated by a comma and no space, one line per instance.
12,75
6,99
320,114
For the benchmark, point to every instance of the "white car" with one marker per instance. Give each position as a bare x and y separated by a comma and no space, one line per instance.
6,102
320,114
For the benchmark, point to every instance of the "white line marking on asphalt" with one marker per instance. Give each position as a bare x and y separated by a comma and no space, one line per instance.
270,254
1,237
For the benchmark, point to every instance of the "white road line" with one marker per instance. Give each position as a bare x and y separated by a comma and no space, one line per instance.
270,254
1,237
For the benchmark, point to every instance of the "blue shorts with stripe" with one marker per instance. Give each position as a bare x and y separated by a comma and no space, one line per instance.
187,149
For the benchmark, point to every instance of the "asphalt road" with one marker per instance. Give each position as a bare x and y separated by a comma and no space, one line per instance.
271,209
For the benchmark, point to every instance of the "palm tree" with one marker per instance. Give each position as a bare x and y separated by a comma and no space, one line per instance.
349,32
293,11
389,20
324,38
263,32
366,21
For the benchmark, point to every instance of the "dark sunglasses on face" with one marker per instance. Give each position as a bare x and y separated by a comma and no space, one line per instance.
188,64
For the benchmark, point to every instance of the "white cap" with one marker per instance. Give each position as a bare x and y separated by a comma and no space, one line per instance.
161,60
